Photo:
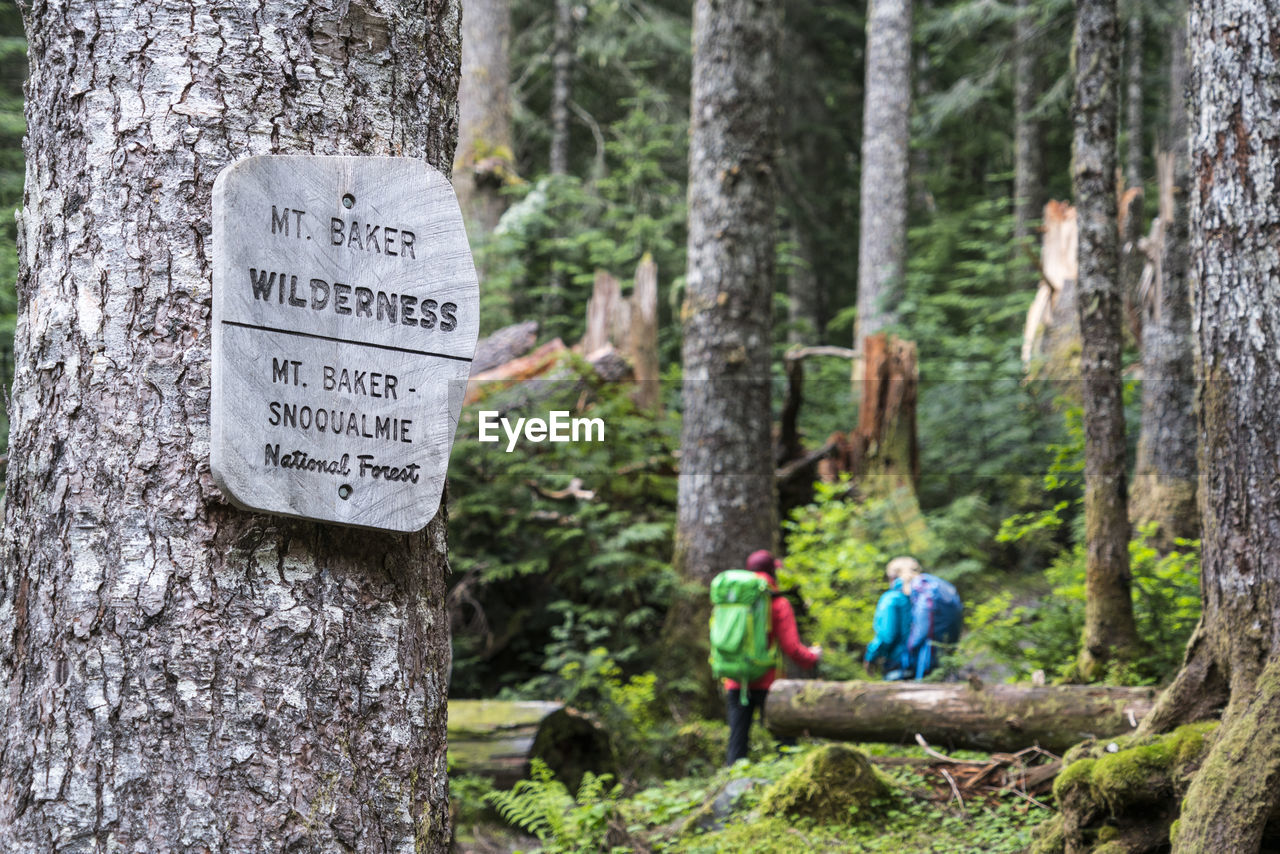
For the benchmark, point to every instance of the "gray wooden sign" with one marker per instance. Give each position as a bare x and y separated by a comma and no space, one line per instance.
344,324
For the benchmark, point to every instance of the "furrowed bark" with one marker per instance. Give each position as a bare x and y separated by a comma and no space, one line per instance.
727,500
1109,630
882,244
178,674
992,717
1235,227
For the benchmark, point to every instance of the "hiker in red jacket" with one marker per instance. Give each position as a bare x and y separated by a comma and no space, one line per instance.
784,634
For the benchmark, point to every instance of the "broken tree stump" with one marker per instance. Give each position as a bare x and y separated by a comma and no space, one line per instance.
990,717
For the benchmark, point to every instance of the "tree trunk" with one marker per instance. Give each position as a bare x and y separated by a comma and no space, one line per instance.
561,86
1164,481
484,158
1109,630
992,717
179,674
1235,227
1133,97
804,292
726,503
882,244
1028,163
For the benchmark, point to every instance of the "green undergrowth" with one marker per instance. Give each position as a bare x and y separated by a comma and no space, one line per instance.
893,810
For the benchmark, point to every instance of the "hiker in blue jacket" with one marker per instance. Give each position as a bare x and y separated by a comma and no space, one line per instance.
918,611
891,624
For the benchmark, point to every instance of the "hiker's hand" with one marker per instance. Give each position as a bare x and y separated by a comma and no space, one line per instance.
816,649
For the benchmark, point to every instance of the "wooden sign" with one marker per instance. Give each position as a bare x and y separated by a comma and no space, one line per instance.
344,323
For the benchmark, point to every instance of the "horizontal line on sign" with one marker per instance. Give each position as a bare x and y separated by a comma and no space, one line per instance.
344,340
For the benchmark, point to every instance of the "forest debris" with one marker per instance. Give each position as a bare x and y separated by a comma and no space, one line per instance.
1051,322
509,342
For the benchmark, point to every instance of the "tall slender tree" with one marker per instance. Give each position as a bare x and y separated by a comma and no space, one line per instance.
1234,656
882,244
1109,630
561,86
1028,161
178,674
726,503
484,114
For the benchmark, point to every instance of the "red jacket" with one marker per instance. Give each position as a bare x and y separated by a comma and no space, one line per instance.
782,630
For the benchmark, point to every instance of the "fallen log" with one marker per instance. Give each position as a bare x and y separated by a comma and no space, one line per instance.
499,738
990,717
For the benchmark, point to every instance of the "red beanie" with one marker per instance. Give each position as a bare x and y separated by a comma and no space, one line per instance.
762,561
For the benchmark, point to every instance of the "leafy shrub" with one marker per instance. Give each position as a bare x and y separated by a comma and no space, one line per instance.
1045,634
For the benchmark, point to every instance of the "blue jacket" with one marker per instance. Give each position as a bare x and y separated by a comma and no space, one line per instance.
891,624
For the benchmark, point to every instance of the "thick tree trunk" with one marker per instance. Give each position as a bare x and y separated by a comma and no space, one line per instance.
882,244
1028,162
991,717
1164,482
1235,227
484,158
726,503
1109,630
178,674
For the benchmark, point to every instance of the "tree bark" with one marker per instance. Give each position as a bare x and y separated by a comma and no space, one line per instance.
1028,162
993,717
804,292
484,157
1235,227
882,244
1164,481
1109,631
561,86
179,674
1133,97
726,501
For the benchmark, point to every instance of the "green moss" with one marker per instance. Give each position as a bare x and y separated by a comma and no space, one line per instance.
1108,832
1075,777
833,784
1147,771
1049,838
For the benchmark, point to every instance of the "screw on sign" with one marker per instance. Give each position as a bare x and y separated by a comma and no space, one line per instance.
344,323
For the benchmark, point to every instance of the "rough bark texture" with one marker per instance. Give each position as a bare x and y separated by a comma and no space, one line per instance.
1164,482
1235,228
726,503
484,155
991,717
1109,630
882,244
1028,162
178,674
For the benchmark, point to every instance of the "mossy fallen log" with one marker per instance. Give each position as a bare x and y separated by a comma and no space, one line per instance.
499,738
979,717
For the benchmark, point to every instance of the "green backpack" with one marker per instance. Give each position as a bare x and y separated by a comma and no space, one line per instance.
741,614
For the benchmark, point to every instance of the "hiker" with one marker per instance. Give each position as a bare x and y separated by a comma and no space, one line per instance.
936,614
892,625
750,620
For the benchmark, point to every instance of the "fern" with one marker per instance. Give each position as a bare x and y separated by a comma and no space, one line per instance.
542,805
538,805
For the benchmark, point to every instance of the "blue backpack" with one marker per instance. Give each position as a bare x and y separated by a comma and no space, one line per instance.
891,624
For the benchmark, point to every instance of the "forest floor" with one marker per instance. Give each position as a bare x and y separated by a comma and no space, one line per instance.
724,812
